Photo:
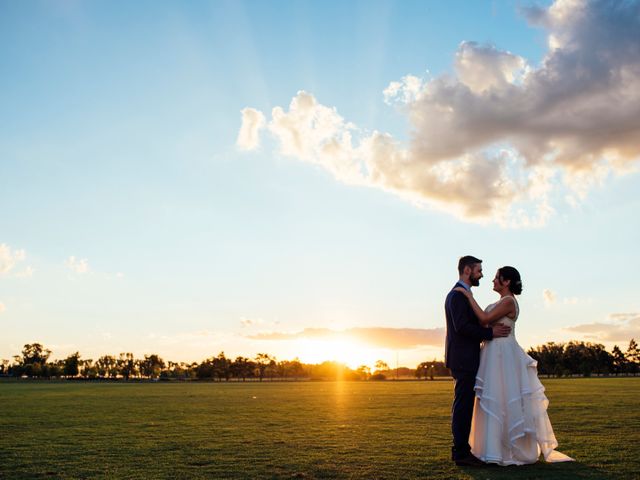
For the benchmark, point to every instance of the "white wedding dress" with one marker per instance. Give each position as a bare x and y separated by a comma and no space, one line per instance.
510,422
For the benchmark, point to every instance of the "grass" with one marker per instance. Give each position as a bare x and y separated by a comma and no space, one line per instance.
292,430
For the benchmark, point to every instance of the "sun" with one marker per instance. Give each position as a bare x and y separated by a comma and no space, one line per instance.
343,350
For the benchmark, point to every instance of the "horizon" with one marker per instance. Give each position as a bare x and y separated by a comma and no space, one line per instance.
185,179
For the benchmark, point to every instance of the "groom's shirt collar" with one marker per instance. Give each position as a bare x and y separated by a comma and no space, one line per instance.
466,287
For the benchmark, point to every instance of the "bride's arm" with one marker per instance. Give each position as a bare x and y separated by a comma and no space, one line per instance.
502,309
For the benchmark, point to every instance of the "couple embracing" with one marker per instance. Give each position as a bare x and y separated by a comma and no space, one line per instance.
499,413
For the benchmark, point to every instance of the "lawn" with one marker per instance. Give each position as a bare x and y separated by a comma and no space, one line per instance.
292,430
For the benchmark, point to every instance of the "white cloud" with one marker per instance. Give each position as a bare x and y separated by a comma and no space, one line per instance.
619,327
405,91
485,68
79,266
9,258
496,140
249,322
252,122
549,296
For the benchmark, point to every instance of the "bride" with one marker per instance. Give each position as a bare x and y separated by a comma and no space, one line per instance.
510,424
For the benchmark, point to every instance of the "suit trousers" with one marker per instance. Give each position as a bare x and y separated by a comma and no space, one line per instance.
462,412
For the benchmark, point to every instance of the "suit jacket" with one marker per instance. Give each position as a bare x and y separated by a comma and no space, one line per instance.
464,334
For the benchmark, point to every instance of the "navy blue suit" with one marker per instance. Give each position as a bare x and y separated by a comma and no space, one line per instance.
462,357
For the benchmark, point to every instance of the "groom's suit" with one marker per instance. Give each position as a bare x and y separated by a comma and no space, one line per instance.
462,357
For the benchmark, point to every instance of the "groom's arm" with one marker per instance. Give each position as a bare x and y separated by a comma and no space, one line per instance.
458,308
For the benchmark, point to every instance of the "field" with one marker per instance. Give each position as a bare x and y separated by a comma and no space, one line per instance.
308,430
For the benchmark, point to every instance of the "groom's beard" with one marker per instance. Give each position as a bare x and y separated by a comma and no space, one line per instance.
474,281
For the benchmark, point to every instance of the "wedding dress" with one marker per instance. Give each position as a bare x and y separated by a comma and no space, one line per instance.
510,422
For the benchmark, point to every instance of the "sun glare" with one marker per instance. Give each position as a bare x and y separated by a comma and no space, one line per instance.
343,350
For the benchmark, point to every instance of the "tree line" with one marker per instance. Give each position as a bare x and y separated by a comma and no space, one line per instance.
586,359
554,359
35,362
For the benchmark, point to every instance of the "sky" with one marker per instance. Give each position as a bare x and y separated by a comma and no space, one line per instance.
300,178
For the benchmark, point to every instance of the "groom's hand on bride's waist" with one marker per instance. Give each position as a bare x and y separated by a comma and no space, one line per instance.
500,330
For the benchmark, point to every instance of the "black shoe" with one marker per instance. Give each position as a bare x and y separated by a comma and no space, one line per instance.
470,461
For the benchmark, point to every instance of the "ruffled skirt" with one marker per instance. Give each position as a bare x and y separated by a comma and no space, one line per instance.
510,422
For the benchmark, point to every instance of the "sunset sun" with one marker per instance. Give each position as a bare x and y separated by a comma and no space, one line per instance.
343,350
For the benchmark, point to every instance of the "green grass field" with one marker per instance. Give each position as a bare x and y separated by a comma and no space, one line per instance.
292,430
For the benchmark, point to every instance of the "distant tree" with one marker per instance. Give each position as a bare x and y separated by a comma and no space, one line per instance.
35,353
286,369
633,357
272,369
126,365
364,372
422,370
72,365
549,358
151,366
603,359
296,369
619,360
205,369
56,368
33,362
262,362
107,366
382,366
221,367
4,366
243,368
88,369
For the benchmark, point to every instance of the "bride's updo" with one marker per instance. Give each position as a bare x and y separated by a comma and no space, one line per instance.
511,274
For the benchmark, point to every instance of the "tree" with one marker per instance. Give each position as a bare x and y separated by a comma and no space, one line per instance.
4,366
242,367
126,365
619,361
33,362
422,370
72,365
549,358
88,369
35,353
221,367
263,360
381,366
364,372
633,357
205,369
107,366
151,366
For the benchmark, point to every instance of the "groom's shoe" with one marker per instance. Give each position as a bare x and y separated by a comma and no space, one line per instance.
470,461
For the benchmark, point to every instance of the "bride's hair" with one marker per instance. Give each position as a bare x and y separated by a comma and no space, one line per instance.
511,274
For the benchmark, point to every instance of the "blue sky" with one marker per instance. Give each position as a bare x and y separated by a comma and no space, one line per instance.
133,217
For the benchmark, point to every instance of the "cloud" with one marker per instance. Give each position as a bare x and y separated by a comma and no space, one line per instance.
249,322
394,338
549,296
499,139
252,122
79,266
620,327
9,258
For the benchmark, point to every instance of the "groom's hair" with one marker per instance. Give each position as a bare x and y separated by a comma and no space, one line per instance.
467,261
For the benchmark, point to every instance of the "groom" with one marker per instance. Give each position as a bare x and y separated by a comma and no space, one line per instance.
462,356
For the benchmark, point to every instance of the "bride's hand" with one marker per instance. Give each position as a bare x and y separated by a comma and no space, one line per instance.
464,291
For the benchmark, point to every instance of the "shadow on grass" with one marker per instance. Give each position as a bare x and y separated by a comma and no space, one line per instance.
540,470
